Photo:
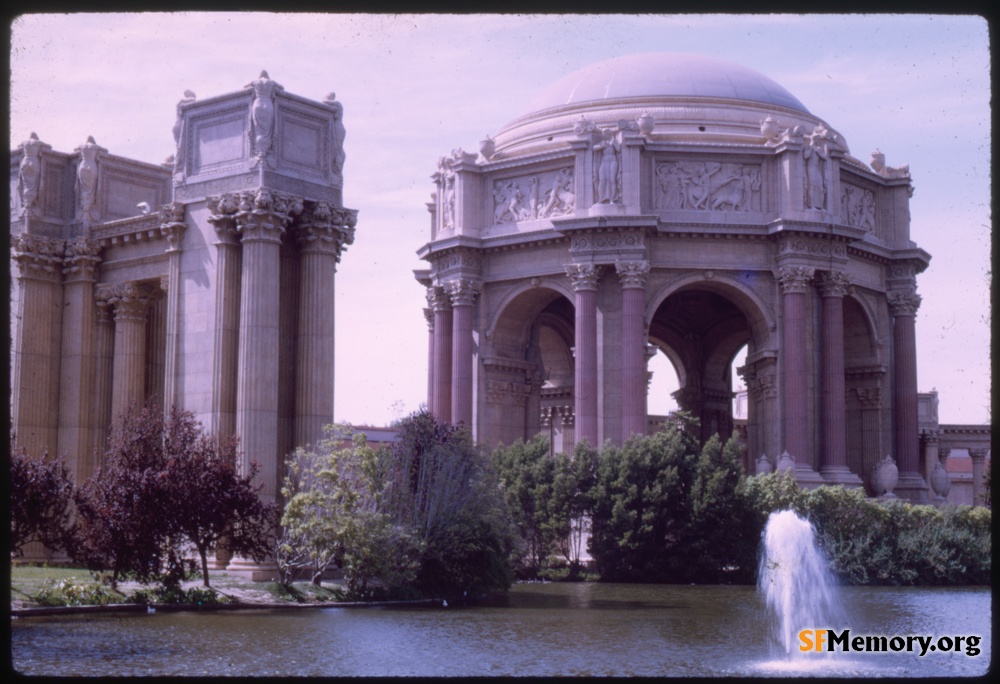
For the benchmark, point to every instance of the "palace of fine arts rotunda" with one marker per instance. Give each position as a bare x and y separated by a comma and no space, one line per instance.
685,204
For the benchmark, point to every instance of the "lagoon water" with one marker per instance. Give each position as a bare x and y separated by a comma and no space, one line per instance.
537,629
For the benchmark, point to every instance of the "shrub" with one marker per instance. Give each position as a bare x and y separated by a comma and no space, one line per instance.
41,498
73,592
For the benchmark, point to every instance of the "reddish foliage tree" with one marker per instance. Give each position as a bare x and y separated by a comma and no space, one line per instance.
41,498
211,501
121,507
164,484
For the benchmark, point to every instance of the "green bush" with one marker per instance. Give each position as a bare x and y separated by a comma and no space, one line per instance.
72,592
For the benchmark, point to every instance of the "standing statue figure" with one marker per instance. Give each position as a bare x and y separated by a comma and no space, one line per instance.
670,196
189,97
815,153
339,133
29,174
86,177
262,114
607,168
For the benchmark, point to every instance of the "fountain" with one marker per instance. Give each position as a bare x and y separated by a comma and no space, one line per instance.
795,581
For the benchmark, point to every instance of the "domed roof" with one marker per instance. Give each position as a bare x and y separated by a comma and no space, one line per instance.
664,74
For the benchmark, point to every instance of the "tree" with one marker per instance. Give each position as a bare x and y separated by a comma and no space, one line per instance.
41,502
161,485
121,508
334,514
208,500
642,508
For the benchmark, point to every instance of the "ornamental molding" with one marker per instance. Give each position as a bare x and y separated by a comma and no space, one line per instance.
607,242
867,397
144,228
458,259
801,245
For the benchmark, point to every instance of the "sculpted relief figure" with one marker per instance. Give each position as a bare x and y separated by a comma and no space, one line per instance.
857,206
86,178
339,133
189,97
608,167
708,186
262,114
29,175
815,153
511,195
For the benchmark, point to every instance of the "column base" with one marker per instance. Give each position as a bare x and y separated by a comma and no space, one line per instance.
841,475
807,477
263,571
912,487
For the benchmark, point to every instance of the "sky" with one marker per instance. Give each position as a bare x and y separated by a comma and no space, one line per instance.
415,87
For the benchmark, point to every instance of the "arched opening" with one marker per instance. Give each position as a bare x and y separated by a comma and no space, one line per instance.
529,370
864,383
701,331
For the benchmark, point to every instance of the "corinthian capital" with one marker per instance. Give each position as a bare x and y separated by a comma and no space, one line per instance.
462,292
80,259
833,283
583,276
439,298
903,302
38,257
172,224
633,274
794,279
130,300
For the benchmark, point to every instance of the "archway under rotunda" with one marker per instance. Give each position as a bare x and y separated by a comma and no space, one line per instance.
701,330
529,370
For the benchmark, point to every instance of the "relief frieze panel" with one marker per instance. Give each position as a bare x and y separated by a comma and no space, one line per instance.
857,207
707,186
539,196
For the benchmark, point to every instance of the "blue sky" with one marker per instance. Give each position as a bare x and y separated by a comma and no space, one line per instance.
416,86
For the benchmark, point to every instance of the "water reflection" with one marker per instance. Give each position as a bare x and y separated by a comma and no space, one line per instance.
538,629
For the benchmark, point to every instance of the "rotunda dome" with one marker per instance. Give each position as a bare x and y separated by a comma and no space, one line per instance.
680,98
664,74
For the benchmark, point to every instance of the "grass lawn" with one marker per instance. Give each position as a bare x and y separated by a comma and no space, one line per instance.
28,580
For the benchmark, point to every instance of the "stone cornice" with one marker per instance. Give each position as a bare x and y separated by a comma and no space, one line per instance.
126,231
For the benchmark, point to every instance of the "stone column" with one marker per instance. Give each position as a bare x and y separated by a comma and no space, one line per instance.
978,457
794,283
441,407
228,270
903,307
869,400
633,275
429,317
131,302
104,346
76,388
173,225
36,343
584,278
320,245
833,285
463,296
261,230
